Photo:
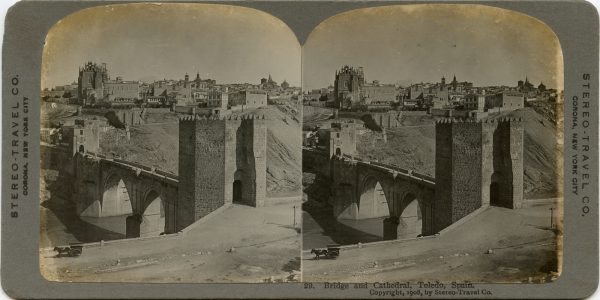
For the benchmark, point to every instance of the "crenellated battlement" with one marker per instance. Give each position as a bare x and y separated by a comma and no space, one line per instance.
485,120
197,117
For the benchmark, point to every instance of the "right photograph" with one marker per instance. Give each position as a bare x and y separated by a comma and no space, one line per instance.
432,147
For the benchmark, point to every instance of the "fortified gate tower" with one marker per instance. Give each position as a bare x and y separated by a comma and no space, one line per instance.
477,163
221,161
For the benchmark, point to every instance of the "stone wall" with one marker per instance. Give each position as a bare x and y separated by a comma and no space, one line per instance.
388,119
129,116
201,165
451,113
466,169
309,110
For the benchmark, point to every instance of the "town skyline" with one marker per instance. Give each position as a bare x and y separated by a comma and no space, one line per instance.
403,44
409,82
157,78
224,43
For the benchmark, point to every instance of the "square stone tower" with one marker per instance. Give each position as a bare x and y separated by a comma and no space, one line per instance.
478,163
221,161
342,138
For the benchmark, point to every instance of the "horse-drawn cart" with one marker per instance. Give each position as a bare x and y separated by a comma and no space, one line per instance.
331,252
74,250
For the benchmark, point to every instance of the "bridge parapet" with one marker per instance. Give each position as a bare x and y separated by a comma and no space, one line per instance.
398,171
140,168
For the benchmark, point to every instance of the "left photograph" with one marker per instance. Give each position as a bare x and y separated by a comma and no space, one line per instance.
170,146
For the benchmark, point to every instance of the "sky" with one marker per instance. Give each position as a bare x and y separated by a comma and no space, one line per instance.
155,41
407,44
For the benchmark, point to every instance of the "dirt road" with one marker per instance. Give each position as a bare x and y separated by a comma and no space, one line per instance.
497,245
242,244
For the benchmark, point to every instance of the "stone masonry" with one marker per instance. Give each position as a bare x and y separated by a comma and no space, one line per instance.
221,161
478,163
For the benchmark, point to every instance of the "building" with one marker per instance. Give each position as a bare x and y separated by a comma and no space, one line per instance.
90,83
348,87
121,92
201,84
525,86
475,102
268,84
218,98
460,87
155,101
505,101
541,88
94,86
341,139
502,101
379,93
248,98
83,136
174,91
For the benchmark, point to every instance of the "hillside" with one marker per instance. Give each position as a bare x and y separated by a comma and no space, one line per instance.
413,147
157,144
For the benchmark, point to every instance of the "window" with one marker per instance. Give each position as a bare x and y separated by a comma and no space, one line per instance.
81,131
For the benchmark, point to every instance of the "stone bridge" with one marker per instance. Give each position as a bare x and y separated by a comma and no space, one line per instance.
478,163
366,190
107,187
221,161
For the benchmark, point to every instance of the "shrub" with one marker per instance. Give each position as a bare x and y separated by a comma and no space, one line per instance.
370,122
113,120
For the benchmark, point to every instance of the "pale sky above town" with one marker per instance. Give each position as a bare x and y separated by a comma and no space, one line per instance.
151,41
394,44
421,43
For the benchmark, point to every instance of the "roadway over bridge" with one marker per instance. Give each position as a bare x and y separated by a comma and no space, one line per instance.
107,187
365,190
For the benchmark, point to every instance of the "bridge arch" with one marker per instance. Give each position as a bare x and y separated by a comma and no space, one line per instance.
153,215
410,221
410,211
372,202
115,200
